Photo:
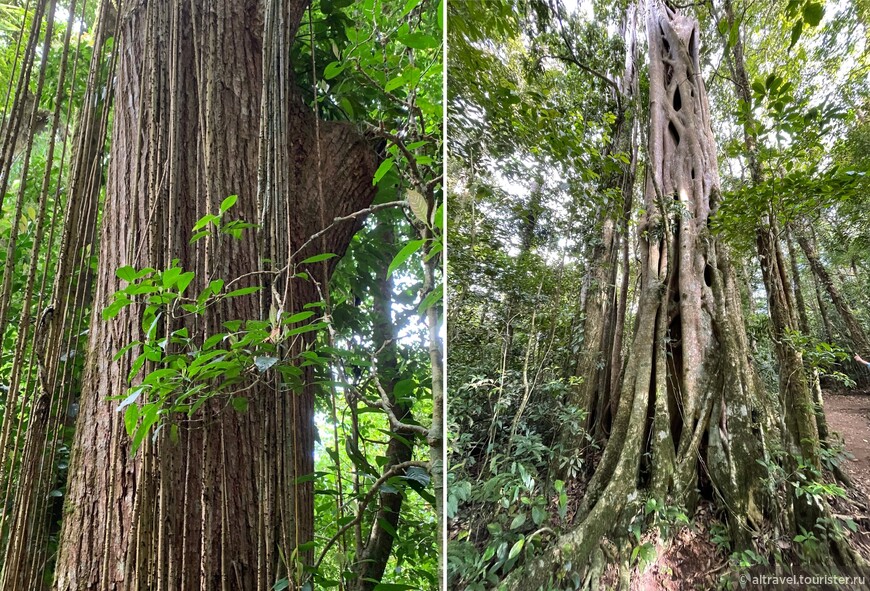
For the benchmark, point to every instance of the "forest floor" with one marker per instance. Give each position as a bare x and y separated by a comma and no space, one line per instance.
692,561
849,415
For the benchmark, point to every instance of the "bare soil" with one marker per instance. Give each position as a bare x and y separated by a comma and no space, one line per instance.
849,416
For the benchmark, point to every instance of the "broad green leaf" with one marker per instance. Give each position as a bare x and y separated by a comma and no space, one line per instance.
204,221
796,32
403,255
127,273
131,417
518,521
394,83
419,41
332,70
228,203
243,291
813,13
516,549
319,257
433,297
196,237
298,317
385,166
183,281
240,403
388,527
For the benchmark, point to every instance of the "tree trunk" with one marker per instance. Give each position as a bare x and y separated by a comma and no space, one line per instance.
856,332
196,110
800,302
599,360
688,390
375,553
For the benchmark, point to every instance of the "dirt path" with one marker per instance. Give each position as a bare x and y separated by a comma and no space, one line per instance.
849,415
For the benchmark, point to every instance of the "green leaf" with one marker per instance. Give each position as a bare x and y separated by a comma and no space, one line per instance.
393,587
244,291
121,352
516,548
112,310
127,273
240,403
734,34
131,417
403,255
796,32
385,166
518,521
394,84
319,257
228,203
419,41
298,317
332,70
281,585
409,6
388,527
433,297
183,281
813,13
438,217
213,340
198,236
204,221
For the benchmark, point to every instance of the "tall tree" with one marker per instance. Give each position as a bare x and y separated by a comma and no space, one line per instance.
211,507
689,397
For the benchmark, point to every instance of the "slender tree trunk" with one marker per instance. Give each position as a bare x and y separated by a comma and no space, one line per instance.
196,120
800,302
856,332
827,326
804,325
378,546
795,395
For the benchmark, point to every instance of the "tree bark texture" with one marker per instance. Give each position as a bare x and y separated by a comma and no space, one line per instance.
196,120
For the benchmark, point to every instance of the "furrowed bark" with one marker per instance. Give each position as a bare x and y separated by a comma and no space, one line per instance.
198,118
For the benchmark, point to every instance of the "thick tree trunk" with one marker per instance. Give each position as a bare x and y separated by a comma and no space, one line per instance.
220,508
688,390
